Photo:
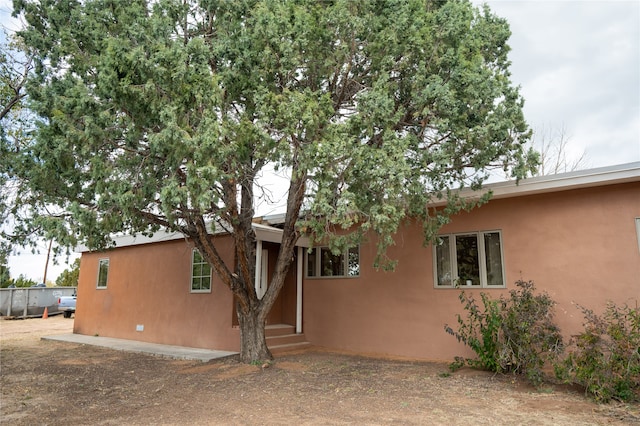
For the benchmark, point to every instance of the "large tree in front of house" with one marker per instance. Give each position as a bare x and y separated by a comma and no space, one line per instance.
165,114
15,123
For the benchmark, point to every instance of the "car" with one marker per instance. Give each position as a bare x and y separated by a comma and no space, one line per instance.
67,304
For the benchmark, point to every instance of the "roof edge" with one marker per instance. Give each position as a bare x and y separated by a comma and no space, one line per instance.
601,176
263,233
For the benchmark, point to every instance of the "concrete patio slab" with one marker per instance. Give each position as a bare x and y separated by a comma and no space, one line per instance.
167,351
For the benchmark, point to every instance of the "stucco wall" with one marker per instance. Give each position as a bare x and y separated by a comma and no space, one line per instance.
580,246
149,285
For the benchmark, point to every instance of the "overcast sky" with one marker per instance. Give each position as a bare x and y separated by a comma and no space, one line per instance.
578,65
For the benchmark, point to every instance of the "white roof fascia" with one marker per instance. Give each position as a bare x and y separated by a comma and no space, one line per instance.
157,237
135,240
602,176
263,232
274,218
274,235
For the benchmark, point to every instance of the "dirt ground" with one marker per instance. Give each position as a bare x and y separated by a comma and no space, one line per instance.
46,383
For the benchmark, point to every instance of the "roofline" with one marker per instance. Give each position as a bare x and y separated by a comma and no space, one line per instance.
601,176
610,175
263,233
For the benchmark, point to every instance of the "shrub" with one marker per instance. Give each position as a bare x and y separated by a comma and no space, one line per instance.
605,357
510,335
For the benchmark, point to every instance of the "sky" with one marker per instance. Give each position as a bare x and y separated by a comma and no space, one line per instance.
577,64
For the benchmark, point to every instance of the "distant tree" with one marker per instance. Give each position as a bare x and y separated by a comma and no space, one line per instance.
23,281
69,277
162,114
5,274
553,146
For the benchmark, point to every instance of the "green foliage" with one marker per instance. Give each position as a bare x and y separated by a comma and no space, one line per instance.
15,123
164,114
480,331
5,274
23,281
146,121
69,277
531,336
510,335
605,357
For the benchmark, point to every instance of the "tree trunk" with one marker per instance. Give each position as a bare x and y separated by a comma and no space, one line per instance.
253,344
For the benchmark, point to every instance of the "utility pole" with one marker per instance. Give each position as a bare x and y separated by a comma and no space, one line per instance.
46,265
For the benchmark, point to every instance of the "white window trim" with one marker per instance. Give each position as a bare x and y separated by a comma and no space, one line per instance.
191,290
106,284
345,255
481,258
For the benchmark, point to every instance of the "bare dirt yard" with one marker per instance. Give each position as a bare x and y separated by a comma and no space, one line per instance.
46,383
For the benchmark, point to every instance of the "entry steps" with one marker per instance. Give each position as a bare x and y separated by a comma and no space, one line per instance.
283,338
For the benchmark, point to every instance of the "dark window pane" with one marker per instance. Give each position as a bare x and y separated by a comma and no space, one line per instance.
467,258
354,261
443,261
311,263
103,272
493,255
330,264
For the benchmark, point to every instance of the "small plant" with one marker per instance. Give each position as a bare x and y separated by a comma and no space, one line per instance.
529,337
510,335
457,364
605,357
479,331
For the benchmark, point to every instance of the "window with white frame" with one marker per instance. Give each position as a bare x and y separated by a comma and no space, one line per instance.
321,262
472,259
103,273
200,273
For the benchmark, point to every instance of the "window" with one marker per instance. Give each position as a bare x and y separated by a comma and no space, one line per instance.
469,259
200,274
103,273
322,263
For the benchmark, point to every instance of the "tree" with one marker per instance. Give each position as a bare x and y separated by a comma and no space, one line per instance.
162,114
22,281
15,67
555,158
69,277
5,274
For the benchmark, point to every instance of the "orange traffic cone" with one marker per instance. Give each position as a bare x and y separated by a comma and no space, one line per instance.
45,314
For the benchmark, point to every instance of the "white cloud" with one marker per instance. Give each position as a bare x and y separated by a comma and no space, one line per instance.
578,63
31,265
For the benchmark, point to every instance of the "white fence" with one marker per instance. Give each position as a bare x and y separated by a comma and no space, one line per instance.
31,301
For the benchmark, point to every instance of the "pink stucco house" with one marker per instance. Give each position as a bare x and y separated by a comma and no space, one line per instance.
576,235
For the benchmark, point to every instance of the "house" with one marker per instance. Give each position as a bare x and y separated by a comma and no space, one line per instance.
576,235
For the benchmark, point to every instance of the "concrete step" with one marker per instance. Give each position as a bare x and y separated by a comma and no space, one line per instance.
279,330
285,339
279,349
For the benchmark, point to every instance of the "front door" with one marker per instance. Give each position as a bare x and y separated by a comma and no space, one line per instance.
283,310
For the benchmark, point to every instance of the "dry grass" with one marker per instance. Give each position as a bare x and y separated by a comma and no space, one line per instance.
46,382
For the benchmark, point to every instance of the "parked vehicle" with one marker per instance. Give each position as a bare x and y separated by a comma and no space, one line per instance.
67,304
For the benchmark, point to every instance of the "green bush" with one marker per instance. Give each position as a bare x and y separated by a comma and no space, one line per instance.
510,335
605,357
